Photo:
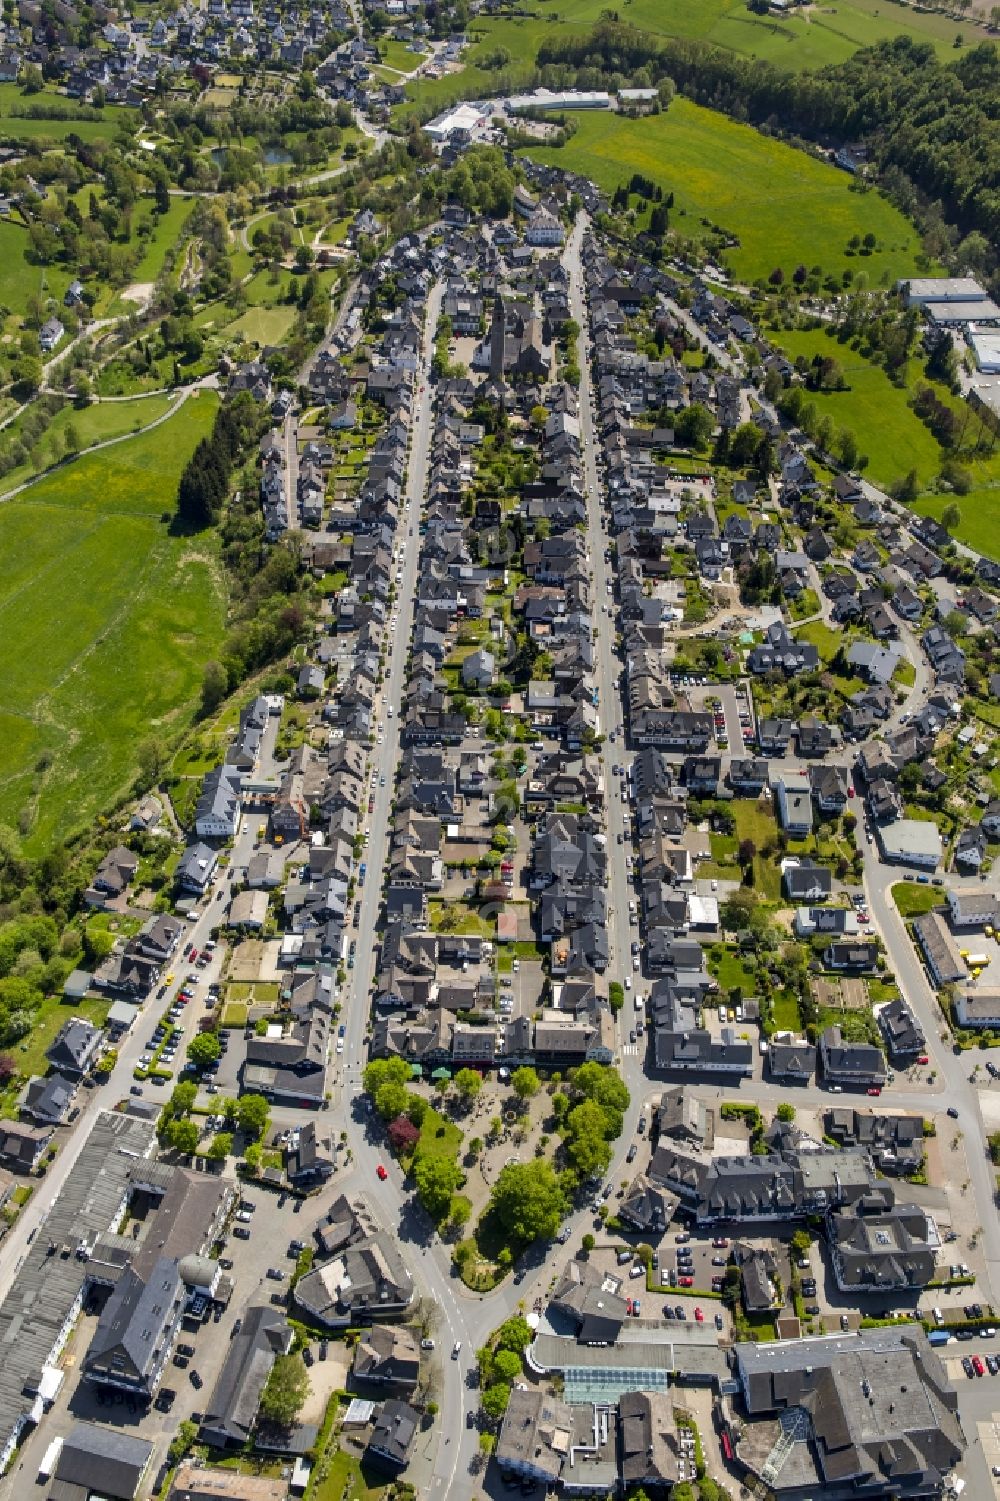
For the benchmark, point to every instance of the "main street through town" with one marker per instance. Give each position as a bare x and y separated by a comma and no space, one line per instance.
465,1319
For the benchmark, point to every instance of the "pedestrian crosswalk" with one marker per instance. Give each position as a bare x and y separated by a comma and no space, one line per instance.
630,1050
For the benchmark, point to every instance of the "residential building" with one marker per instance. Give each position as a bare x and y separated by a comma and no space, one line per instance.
387,1354
593,1300
973,908
534,1438
875,1247
196,868
136,1330
806,881
978,1007
366,1280
391,1441
217,813
791,1062
851,1065
903,1034
75,1047
793,790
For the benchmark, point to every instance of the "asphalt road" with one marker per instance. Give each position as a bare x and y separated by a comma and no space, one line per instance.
429,1262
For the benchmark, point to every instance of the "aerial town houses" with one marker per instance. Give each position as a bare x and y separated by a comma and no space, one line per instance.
506,626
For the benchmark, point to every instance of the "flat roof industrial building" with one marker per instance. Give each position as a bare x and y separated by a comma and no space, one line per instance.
921,289
567,99
910,841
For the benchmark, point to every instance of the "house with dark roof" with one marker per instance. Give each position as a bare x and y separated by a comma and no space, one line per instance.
22,1146
592,1300
792,1062
649,1443
879,1247
112,876
96,1459
47,1101
856,957
231,1411
391,1441
895,1143
852,1065
806,881
534,1439
904,1036
365,1280
75,1047
136,1330
196,869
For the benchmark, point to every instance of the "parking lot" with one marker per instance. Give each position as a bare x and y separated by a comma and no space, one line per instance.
732,705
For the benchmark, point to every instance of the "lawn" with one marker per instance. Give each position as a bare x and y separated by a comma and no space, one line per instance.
785,1012
826,640
912,899
342,1476
397,55
727,966
895,440
263,325
725,172
439,1138
107,620
57,130
754,820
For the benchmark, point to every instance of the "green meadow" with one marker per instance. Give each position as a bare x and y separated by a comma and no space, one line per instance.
786,208
107,620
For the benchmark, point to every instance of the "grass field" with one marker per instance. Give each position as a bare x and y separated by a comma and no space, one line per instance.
912,899
785,207
896,441
93,424
166,232
22,280
263,325
397,55
107,620
12,99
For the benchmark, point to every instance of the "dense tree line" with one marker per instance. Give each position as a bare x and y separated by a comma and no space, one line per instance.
932,126
204,484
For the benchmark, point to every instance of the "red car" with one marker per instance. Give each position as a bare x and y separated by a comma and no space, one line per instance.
874,1091
628,1305
381,1172
923,1058
977,1366
699,1316
685,1282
